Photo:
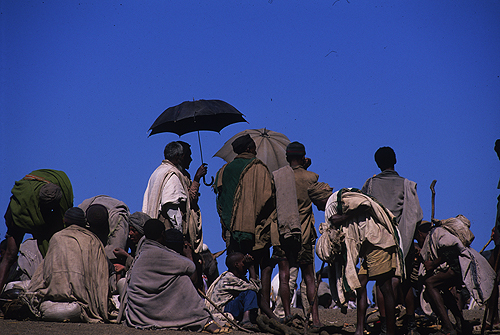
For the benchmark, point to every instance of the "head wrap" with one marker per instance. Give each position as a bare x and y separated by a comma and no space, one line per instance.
424,226
242,143
153,228
50,193
319,191
75,215
172,235
137,220
295,149
97,214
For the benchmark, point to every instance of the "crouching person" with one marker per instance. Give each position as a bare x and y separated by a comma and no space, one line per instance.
448,263
71,284
160,293
233,293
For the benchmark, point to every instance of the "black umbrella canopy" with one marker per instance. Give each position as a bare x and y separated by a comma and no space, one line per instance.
196,115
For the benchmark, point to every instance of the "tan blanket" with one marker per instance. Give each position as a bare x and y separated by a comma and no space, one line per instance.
74,269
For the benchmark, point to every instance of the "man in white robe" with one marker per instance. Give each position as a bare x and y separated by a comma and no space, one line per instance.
168,196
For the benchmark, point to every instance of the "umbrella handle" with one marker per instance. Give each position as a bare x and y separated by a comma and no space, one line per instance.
208,184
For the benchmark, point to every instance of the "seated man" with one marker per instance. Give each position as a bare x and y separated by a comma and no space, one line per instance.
370,235
72,281
234,293
449,263
160,294
136,232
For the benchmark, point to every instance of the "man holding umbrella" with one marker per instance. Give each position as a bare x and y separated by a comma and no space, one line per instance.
171,196
245,200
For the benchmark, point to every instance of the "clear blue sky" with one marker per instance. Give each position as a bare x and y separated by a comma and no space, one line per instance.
82,82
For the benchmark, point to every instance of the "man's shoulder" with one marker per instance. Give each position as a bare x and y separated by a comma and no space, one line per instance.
388,174
306,174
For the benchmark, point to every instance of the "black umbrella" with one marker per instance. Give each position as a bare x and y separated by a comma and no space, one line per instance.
196,115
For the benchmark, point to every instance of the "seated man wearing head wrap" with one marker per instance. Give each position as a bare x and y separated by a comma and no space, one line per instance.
245,201
136,232
370,235
160,294
37,207
71,284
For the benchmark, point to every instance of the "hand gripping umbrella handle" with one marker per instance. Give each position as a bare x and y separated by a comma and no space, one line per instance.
201,154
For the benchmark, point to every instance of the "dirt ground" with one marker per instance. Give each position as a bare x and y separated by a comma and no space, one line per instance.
335,323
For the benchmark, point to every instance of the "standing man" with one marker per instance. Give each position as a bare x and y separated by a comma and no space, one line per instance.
167,195
294,206
399,195
245,201
37,206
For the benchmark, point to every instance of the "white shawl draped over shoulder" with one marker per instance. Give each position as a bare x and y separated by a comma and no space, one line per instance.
165,186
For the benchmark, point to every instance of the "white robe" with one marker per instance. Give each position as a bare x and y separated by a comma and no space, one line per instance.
165,186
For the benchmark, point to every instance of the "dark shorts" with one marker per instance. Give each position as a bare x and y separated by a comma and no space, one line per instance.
304,256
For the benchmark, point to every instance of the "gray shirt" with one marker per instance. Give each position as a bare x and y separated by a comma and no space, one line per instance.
388,188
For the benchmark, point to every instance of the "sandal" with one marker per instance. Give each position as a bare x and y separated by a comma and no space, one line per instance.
451,332
212,330
287,319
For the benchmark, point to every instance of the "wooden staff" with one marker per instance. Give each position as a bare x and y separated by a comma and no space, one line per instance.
488,243
433,199
232,322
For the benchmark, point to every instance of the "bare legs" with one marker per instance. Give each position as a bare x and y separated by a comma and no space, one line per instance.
443,280
385,284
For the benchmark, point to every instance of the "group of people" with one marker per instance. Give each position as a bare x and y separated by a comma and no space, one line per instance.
155,260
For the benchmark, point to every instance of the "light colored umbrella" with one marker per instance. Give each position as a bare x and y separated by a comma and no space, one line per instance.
271,147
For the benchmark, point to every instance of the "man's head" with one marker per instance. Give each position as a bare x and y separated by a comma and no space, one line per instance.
385,158
173,152
244,143
422,231
154,230
497,147
97,218
186,155
295,153
136,226
319,193
75,215
50,194
174,240
235,264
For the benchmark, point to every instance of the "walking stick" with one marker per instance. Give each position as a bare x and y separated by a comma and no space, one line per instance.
433,199
488,243
232,322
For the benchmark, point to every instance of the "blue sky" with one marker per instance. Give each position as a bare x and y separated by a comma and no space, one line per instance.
82,82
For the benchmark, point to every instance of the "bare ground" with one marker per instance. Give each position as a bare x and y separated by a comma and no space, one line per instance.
335,323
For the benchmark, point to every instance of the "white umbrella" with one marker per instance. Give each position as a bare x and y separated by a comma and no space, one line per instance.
271,147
